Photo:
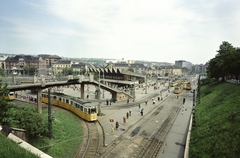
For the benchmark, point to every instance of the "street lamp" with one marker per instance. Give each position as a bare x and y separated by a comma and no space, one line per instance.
103,78
99,108
103,83
146,80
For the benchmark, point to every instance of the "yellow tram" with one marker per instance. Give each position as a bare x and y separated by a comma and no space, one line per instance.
10,96
188,87
178,89
73,104
173,84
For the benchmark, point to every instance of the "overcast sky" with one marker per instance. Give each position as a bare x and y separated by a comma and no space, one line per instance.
151,30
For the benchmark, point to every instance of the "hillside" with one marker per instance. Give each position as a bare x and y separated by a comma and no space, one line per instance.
12,149
217,117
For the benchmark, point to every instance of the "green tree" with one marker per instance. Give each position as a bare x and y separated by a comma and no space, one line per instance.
131,69
29,70
27,118
5,106
2,73
222,65
67,71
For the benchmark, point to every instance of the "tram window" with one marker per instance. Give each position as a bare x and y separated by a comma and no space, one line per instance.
63,100
77,105
55,97
71,102
86,110
60,99
67,101
81,108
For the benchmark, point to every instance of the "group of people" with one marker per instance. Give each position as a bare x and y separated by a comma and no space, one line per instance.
109,102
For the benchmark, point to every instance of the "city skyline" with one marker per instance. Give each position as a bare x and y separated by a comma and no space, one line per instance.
156,31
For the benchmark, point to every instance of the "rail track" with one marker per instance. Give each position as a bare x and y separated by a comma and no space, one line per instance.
92,142
152,145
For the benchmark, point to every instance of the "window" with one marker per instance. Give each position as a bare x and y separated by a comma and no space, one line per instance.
67,101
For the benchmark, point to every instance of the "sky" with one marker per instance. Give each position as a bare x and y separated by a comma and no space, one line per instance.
149,30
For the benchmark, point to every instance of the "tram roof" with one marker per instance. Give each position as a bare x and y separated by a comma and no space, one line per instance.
76,99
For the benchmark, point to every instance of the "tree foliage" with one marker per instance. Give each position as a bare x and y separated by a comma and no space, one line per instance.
225,63
67,71
27,118
20,116
2,73
29,70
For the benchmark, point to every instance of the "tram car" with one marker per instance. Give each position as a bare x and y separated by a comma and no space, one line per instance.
10,96
178,89
188,87
173,84
73,104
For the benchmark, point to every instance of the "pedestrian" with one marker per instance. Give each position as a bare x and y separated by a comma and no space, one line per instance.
107,101
158,98
183,100
127,115
110,101
153,102
130,112
177,96
117,125
142,112
87,96
124,119
112,129
128,101
16,94
146,102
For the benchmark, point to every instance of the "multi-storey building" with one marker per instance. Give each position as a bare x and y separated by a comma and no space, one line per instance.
2,62
59,66
18,62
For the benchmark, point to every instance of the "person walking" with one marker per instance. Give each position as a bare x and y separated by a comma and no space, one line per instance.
130,112
107,101
124,119
142,112
158,98
146,102
183,100
117,125
127,115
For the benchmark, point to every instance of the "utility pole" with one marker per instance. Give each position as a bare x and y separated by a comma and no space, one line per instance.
99,107
49,114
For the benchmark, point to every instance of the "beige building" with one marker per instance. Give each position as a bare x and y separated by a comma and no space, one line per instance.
59,65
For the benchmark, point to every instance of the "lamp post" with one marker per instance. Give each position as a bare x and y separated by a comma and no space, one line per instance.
146,80
99,108
103,83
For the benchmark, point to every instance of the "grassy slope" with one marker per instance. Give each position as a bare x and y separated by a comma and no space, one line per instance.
9,149
67,136
216,134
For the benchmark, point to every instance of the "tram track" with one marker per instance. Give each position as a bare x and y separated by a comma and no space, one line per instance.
92,142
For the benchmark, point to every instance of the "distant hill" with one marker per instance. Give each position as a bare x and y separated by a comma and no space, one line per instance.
217,117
